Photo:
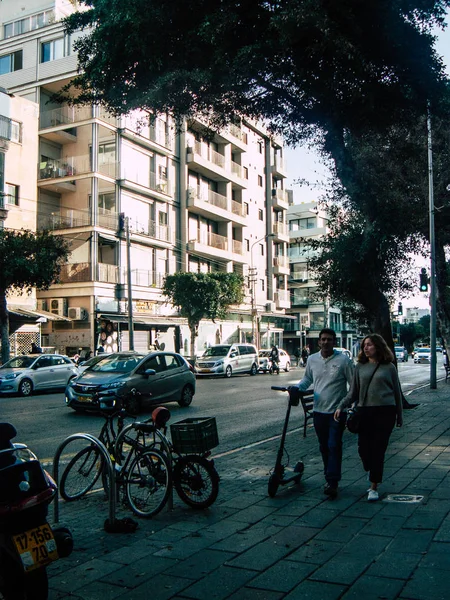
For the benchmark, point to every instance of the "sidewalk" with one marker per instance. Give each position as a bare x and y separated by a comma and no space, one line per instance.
298,545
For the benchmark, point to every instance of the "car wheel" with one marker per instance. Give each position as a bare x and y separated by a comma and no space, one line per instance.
254,370
287,367
187,396
228,372
25,387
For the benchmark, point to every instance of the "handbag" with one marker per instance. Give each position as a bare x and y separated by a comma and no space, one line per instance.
354,414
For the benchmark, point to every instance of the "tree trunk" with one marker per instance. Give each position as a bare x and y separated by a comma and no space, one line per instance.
4,327
381,320
193,327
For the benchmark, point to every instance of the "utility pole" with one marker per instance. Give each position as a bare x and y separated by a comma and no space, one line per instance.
129,286
433,380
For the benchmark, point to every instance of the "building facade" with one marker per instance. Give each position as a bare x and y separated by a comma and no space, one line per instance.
192,201
306,221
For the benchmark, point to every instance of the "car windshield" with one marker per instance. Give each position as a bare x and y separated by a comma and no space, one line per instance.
120,363
399,349
92,361
424,351
216,351
19,362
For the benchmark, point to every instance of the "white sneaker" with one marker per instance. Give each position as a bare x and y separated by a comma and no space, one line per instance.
373,496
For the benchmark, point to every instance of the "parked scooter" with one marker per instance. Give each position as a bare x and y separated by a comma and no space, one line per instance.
274,366
27,542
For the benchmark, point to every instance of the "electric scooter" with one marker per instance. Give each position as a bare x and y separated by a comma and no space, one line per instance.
282,474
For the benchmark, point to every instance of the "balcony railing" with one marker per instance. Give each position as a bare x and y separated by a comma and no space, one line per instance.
67,218
280,195
108,273
73,165
237,208
5,128
154,129
281,261
147,179
213,239
75,273
208,196
208,153
151,229
64,115
280,228
144,278
236,169
282,296
278,163
236,131
237,246
81,273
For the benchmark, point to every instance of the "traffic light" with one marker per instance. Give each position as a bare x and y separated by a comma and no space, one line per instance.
423,280
400,308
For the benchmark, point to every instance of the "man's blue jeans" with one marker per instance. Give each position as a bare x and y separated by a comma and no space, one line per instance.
330,433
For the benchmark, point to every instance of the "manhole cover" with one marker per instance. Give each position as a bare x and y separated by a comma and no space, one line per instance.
403,498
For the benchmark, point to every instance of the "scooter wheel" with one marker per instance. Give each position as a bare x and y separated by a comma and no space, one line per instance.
274,483
299,468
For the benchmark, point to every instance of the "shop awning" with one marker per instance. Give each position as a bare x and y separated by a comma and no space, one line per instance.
144,319
23,312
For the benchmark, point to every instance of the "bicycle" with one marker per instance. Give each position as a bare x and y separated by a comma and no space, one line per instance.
84,469
193,474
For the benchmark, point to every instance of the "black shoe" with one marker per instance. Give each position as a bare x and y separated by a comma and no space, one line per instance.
330,491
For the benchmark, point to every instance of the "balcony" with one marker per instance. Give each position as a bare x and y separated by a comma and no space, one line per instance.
281,265
81,273
206,161
68,218
5,128
151,229
282,299
280,199
68,169
278,166
280,232
212,205
144,278
150,129
141,180
239,137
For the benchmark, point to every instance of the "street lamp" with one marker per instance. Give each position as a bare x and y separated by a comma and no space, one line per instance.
252,284
433,380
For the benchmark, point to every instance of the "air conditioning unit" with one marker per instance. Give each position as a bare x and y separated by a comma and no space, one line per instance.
42,304
58,306
270,307
77,314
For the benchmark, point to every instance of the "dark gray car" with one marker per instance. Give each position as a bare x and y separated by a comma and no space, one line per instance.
133,380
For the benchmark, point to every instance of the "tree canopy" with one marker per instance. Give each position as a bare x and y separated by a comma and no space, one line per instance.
203,296
27,260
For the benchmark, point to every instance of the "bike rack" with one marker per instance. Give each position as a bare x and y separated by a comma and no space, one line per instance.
109,465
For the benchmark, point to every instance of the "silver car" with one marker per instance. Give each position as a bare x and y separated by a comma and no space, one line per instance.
28,373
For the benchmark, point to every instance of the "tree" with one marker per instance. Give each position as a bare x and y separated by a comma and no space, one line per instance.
27,260
203,296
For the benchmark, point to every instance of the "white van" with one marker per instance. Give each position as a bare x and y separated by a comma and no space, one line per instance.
227,359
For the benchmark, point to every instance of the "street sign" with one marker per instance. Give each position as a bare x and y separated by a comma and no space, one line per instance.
298,333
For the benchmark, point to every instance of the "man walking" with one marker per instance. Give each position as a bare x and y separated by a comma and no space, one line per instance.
330,372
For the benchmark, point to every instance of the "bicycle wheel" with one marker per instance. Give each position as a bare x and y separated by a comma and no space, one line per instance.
147,483
196,481
81,473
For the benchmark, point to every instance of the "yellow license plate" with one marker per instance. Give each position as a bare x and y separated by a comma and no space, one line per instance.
84,399
36,547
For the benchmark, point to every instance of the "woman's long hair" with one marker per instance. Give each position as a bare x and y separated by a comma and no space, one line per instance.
384,354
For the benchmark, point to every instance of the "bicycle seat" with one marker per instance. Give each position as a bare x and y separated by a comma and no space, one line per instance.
160,416
144,427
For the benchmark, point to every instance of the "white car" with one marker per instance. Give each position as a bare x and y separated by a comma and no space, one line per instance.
401,354
26,373
344,351
264,357
422,355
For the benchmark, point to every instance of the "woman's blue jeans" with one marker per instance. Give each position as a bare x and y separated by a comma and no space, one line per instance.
329,433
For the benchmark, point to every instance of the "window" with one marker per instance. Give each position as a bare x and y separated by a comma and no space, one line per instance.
28,23
262,285
12,194
11,62
163,219
246,208
52,50
261,249
299,224
260,214
260,180
247,245
260,146
16,132
245,171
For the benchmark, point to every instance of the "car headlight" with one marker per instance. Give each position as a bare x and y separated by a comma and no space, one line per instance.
115,385
13,375
218,363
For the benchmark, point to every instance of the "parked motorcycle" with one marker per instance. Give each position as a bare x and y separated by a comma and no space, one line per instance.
27,542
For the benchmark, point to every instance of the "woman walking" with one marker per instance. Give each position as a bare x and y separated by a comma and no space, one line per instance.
376,391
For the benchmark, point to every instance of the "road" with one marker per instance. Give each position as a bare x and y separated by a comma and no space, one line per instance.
245,407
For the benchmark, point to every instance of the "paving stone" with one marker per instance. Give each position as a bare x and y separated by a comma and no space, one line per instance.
134,574
374,588
245,538
162,587
99,589
342,529
246,593
316,551
200,564
443,533
219,584
393,564
314,590
283,576
76,578
385,525
426,584
412,539
317,518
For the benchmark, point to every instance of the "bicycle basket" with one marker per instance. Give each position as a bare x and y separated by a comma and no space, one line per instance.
194,435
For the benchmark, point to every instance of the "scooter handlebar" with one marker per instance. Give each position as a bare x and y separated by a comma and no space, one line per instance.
279,388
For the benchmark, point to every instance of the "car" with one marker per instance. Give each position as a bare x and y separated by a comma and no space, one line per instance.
26,374
132,380
344,351
422,355
401,354
85,364
264,357
228,359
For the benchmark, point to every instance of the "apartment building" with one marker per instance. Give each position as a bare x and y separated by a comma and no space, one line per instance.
414,314
193,201
307,221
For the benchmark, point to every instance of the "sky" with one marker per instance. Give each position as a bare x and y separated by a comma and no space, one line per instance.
306,164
